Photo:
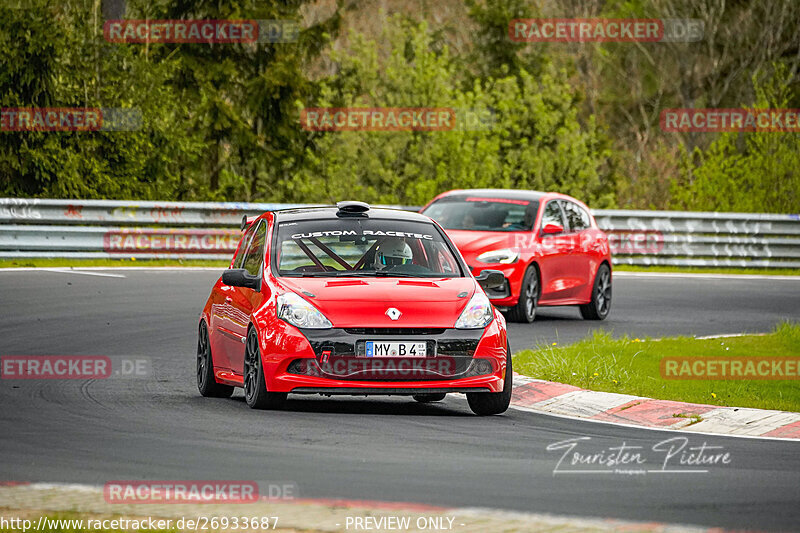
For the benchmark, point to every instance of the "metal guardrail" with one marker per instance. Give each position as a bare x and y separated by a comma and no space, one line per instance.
206,230
128,213
750,240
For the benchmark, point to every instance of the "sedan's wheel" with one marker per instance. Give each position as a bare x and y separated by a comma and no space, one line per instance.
255,384
600,305
206,383
525,310
493,403
428,398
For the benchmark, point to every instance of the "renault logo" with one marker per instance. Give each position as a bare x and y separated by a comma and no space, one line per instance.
393,313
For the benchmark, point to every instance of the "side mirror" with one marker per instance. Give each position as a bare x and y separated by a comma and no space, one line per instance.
490,279
239,277
552,229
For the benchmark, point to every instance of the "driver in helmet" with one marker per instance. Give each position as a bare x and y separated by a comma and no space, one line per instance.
392,252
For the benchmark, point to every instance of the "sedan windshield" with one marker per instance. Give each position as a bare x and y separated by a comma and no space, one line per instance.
350,247
484,214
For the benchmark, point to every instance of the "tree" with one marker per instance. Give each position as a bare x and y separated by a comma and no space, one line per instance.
747,172
535,141
244,94
52,60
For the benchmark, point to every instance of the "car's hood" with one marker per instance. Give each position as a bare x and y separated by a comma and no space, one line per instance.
363,302
477,242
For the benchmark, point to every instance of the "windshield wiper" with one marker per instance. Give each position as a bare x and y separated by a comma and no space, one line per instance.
375,273
330,274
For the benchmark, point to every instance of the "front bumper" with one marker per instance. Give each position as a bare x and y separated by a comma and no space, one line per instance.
333,361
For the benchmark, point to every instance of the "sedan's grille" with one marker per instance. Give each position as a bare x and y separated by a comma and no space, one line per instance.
499,292
395,331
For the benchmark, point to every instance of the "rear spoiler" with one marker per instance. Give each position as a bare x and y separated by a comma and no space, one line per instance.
246,221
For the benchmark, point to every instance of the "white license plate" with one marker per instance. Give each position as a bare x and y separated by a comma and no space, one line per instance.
396,349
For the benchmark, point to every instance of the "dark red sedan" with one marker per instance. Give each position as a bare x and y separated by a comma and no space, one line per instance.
547,245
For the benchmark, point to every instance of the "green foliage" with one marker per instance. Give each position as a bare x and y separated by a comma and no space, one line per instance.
221,122
494,54
747,172
535,141
218,120
55,56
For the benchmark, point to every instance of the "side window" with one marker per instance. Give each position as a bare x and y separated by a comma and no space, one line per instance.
255,252
578,218
238,259
552,214
587,220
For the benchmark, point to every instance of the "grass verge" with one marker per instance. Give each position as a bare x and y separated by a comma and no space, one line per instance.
632,366
710,270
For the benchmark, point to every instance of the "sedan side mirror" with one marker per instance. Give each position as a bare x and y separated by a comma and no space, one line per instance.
552,229
239,277
491,279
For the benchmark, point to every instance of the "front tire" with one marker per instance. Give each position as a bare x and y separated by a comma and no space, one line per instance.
428,398
206,383
600,305
255,384
525,310
493,403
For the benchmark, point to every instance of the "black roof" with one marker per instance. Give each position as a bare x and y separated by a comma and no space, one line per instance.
506,194
313,213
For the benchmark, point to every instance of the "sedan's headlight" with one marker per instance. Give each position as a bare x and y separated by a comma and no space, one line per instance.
505,256
477,314
298,312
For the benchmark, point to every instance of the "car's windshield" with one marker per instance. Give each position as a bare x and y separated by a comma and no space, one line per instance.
484,214
360,246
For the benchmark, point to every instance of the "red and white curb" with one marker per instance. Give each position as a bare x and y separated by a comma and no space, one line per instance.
570,401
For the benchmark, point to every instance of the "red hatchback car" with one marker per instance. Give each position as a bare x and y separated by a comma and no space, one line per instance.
547,245
352,300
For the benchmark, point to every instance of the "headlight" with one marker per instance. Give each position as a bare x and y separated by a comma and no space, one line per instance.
298,312
477,314
505,256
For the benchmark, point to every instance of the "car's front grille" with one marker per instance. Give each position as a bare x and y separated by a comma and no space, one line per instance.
341,353
397,332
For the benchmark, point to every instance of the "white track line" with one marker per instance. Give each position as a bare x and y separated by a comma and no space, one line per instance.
69,271
728,336
125,268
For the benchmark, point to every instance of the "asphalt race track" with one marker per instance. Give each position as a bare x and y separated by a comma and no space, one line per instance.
390,449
